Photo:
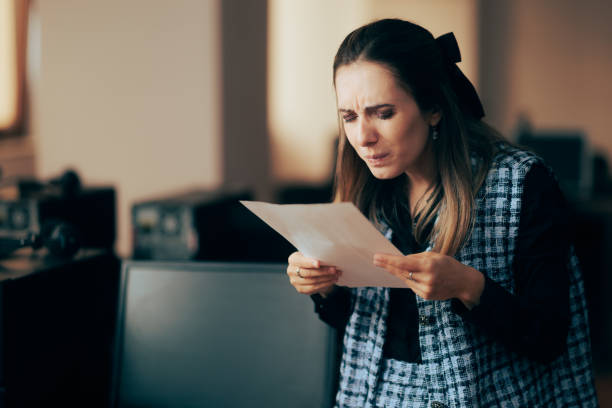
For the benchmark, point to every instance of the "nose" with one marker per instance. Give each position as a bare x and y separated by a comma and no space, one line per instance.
366,133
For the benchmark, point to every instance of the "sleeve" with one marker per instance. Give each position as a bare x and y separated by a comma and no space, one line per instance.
534,321
335,309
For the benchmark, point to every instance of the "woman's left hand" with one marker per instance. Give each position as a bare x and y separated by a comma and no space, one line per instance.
433,276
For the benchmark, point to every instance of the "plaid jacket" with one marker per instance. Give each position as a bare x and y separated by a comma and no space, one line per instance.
461,365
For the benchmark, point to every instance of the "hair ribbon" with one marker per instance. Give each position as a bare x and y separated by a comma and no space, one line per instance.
466,93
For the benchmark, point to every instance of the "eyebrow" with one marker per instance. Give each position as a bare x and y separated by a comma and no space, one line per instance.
369,109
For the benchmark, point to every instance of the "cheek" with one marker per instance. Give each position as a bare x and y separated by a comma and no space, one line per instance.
410,143
416,135
350,136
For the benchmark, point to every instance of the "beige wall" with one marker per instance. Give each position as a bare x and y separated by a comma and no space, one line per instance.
550,60
304,37
129,95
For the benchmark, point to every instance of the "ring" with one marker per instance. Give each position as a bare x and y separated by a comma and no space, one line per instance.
298,272
410,276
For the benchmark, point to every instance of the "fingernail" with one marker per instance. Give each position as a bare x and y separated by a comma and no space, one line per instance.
332,270
315,264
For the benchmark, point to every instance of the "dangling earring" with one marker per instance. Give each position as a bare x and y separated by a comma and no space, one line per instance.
434,133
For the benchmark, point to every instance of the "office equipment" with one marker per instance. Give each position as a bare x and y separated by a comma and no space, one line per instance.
204,225
218,335
32,205
566,152
59,239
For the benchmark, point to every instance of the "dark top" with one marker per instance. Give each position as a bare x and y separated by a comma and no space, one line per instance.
534,321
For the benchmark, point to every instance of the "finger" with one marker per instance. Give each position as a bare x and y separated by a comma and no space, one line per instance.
306,276
308,271
313,280
420,293
314,273
407,275
297,259
425,292
305,287
300,283
410,262
310,289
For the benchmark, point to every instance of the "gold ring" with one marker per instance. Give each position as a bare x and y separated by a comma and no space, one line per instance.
298,272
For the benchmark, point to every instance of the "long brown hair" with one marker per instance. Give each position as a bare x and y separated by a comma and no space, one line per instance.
464,148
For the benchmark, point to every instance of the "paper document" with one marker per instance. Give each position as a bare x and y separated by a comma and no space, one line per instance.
336,234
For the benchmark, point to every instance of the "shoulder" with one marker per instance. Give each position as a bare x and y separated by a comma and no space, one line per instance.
541,190
513,158
512,167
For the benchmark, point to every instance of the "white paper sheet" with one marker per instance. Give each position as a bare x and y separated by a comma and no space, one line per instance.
336,234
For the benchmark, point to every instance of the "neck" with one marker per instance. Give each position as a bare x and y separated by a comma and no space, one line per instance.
424,172
421,178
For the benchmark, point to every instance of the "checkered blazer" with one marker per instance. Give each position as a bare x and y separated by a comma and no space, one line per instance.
462,366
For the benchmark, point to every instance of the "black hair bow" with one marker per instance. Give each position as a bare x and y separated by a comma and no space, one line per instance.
466,93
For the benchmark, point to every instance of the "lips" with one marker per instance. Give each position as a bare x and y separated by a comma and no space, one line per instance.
376,159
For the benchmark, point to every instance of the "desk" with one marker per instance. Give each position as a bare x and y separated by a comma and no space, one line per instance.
57,319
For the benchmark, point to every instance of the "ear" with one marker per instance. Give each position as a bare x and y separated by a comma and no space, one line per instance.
434,118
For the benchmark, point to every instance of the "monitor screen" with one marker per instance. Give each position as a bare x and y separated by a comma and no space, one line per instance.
566,153
218,335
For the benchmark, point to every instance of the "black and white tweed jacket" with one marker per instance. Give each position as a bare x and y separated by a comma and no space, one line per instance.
461,365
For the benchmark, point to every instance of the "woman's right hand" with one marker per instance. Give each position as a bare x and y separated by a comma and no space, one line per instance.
310,276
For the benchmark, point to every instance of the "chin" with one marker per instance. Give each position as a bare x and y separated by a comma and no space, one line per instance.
384,173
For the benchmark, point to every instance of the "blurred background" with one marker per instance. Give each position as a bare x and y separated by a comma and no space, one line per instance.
155,97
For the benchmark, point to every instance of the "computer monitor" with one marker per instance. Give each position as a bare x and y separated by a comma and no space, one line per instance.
567,153
218,335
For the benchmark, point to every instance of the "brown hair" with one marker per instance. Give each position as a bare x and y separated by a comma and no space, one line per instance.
424,70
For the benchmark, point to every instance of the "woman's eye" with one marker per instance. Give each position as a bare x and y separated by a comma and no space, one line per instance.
348,118
386,114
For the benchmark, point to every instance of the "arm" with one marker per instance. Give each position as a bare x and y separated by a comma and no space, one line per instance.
335,308
534,321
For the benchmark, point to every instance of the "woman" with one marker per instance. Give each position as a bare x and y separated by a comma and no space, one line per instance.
494,311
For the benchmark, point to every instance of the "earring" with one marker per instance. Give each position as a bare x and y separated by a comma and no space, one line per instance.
434,133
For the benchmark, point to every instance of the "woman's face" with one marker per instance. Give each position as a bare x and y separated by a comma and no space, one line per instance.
382,121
